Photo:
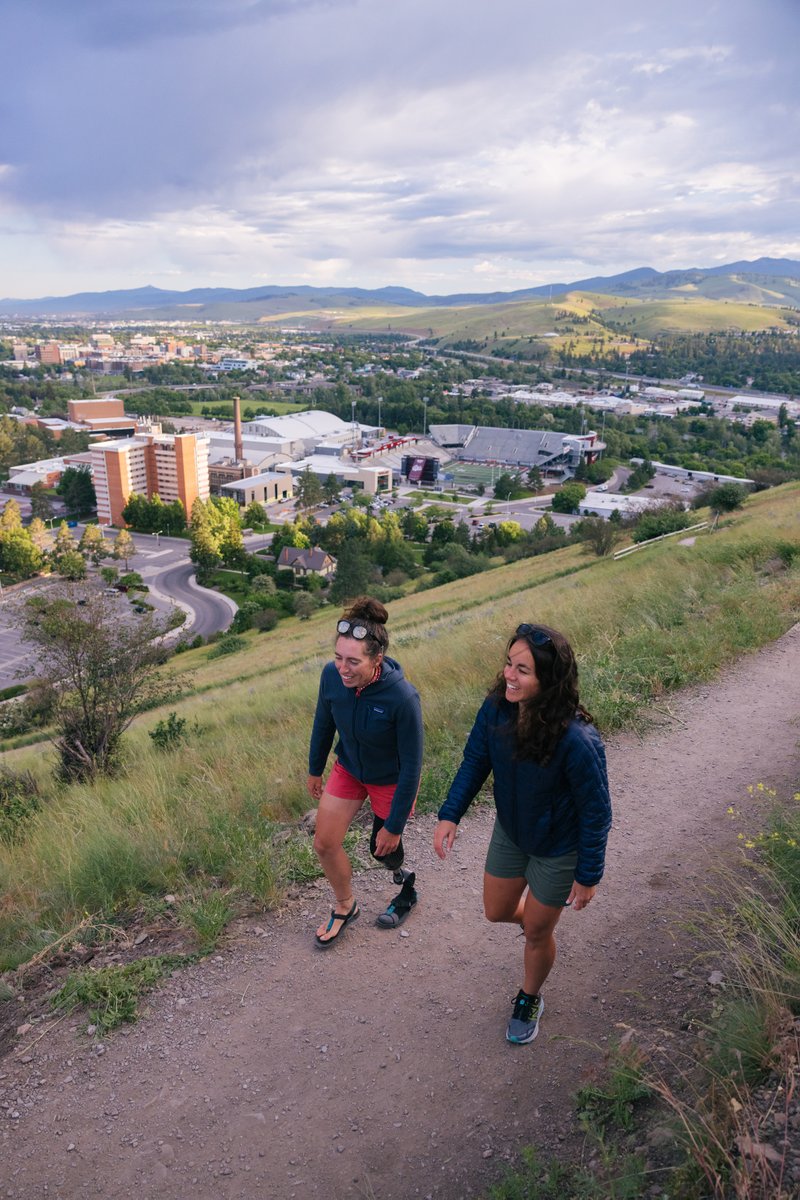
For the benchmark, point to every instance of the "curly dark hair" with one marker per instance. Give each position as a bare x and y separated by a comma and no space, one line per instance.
539,724
370,613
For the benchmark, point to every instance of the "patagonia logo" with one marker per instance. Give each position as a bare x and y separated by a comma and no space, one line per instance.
380,711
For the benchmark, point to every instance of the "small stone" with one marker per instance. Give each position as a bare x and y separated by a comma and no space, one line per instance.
716,979
23,1029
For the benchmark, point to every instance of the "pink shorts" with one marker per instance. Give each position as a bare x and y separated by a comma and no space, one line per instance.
345,786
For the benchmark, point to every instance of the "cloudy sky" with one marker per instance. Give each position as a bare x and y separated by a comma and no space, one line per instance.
444,145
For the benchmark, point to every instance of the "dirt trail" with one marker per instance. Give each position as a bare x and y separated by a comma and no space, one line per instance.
379,1068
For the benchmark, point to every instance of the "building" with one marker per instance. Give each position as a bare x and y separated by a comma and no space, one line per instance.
556,454
266,487
306,562
106,416
174,466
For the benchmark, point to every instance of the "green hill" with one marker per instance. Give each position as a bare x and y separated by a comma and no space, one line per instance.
217,817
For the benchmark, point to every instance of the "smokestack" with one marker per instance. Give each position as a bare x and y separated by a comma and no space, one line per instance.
238,449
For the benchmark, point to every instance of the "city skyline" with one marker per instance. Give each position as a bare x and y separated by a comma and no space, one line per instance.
442,147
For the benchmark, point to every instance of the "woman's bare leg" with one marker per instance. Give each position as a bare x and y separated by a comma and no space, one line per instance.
334,817
507,900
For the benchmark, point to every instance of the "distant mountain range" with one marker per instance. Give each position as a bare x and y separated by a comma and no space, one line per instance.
771,281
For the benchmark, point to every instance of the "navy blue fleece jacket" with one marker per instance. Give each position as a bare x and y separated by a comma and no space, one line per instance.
380,734
546,810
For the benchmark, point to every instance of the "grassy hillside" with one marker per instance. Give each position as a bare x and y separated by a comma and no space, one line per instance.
579,318
216,816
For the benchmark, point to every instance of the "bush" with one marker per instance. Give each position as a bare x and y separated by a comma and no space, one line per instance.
228,644
19,800
168,734
660,521
265,619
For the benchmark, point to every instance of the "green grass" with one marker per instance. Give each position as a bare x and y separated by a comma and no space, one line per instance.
213,813
111,995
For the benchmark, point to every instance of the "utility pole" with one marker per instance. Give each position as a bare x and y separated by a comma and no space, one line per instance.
425,416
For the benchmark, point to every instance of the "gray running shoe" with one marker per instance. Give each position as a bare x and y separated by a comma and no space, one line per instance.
524,1024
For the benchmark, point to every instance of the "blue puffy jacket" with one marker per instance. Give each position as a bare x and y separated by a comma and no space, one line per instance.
546,810
380,734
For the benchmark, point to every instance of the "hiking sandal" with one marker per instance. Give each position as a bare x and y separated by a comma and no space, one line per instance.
345,918
401,906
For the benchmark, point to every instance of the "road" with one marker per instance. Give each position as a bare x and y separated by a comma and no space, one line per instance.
164,565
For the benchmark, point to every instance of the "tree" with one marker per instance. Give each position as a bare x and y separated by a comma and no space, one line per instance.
41,504
726,497
505,486
535,481
255,514
41,536
124,547
599,535
330,489
10,518
64,542
304,605
92,544
102,671
568,497
19,555
77,490
308,490
72,565
354,573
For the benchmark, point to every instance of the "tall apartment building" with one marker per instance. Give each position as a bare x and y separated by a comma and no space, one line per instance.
173,465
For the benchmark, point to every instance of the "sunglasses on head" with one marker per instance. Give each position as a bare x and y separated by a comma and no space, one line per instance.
359,632
534,634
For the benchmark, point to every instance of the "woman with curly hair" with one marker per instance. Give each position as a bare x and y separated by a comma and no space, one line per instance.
365,699
547,849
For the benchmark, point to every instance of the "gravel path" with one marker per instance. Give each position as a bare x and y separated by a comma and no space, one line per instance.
379,1068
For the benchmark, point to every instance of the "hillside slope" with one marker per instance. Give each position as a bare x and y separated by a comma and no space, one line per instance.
380,1068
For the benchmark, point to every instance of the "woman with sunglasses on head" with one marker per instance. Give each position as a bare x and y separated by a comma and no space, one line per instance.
365,699
547,848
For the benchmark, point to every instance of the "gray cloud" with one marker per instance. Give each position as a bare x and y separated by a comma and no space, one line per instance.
316,135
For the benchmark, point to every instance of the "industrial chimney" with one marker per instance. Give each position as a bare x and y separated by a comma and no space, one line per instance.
238,450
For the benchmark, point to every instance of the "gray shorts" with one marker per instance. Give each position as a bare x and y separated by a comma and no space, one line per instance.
550,879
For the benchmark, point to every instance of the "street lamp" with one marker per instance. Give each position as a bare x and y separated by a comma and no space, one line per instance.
157,536
380,402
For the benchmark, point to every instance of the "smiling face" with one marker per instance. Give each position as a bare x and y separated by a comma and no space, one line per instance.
520,673
354,664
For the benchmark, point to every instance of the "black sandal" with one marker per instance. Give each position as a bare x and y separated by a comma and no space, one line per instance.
401,906
345,918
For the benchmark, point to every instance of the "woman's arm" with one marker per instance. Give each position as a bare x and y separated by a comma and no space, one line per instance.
476,766
409,732
323,731
587,775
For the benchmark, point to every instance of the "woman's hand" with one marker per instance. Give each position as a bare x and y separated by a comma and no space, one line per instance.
580,896
443,837
385,842
314,786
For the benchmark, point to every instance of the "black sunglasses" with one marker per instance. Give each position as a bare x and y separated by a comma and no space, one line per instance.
359,632
533,634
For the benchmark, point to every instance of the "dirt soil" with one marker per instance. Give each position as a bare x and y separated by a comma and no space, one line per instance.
379,1068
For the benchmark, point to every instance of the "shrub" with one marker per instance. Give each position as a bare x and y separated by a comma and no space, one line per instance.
19,800
228,644
169,733
265,619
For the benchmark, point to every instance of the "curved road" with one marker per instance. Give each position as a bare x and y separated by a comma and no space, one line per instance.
164,566
206,611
